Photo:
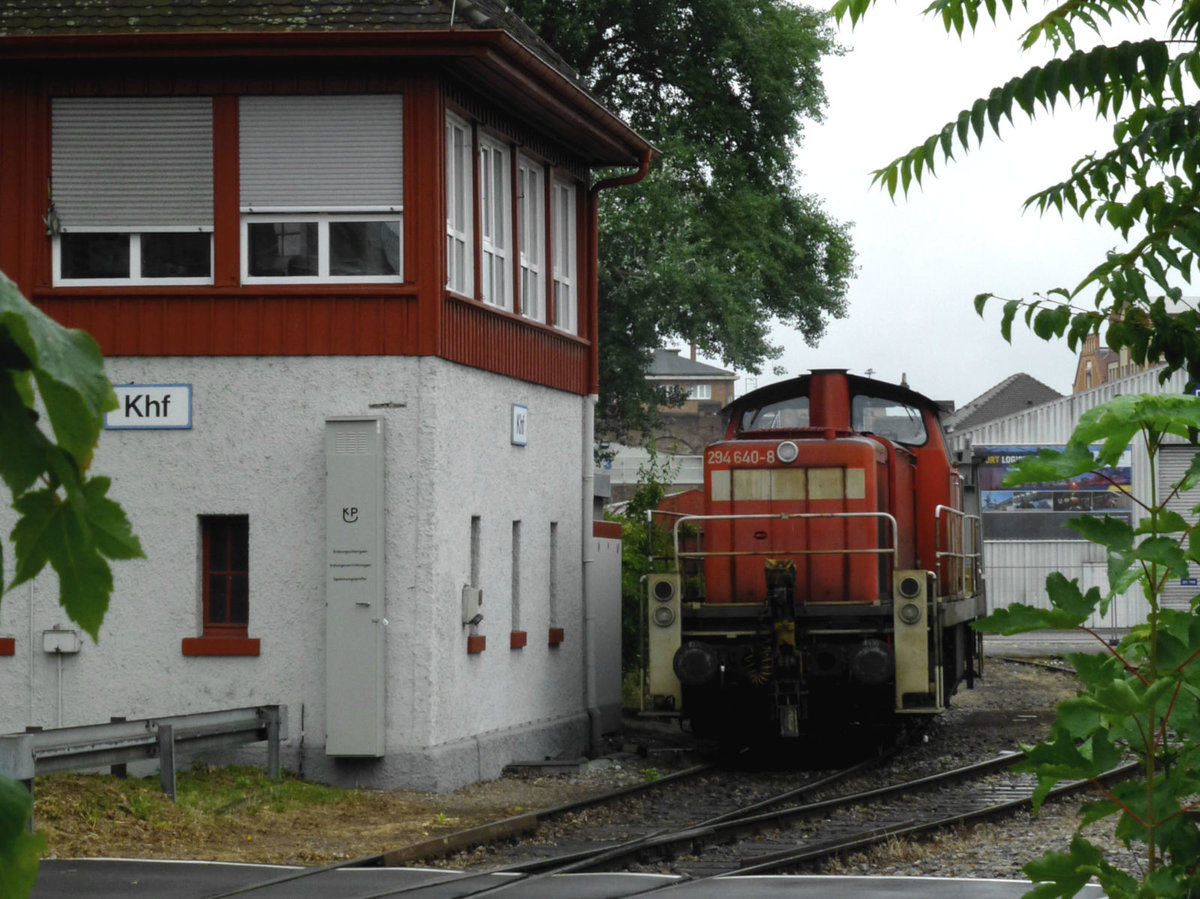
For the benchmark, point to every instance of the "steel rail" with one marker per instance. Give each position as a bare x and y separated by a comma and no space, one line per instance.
714,825
529,872
453,841
774,861
746,820
870,836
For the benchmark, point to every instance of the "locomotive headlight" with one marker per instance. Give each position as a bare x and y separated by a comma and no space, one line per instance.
664,616
664,591
910,613
787,452
910,587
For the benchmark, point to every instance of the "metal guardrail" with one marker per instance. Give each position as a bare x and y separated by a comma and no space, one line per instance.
23,756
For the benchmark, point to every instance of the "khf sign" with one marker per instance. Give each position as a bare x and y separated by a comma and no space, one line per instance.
520,425
150,406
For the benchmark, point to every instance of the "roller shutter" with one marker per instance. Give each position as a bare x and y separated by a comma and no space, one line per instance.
321,152
132,163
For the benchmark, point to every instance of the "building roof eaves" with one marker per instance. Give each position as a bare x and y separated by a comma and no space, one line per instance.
494,51
668,364
1014,394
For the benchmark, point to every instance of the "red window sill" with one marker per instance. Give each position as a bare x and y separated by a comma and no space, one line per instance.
220,646
517,639
556,636
8,646
476,644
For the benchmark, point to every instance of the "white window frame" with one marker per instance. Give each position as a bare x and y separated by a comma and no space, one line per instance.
322,221
700,392
122,161
531,239
565,270
299,165
495,222
460,239
135,259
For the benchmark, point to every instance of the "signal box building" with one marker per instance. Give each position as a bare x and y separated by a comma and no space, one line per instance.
341,260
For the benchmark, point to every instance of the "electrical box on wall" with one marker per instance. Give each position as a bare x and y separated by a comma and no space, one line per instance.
61,641
354,588
472,605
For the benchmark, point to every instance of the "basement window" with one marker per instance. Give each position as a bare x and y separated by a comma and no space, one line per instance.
225,588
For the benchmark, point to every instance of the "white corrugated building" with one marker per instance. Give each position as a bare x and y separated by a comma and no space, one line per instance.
1018,558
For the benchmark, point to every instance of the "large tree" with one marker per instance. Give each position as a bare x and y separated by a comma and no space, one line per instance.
719,241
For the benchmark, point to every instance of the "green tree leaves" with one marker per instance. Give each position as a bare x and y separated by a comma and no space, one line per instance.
1146,186
69,522
1131,72
65,518
1141,699
19,850
66,367
719,240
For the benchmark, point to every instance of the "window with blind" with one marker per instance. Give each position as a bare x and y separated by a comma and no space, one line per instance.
131,184
321,188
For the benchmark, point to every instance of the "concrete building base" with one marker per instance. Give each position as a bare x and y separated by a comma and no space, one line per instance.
456,764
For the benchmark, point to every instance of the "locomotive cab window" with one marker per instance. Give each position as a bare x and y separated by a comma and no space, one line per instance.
785,414
888,418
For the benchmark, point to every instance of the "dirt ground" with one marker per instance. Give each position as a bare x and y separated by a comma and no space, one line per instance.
239,815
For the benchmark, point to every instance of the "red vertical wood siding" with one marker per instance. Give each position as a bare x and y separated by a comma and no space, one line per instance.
227,223
24,183
478,336
228,319
425,206
241,325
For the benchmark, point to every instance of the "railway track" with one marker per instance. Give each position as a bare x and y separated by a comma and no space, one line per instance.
753,841
593,858
767,835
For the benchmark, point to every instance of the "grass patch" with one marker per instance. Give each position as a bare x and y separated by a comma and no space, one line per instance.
219,791
235,813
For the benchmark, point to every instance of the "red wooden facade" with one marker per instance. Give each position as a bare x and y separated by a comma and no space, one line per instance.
486,76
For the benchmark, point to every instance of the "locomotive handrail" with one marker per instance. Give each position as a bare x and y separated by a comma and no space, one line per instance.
785,516
961,577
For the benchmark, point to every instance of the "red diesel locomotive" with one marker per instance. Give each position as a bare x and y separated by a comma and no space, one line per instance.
827,571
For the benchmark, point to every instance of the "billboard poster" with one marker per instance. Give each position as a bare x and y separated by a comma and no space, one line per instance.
1040,511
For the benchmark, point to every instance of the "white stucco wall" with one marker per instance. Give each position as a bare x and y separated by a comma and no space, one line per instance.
256,448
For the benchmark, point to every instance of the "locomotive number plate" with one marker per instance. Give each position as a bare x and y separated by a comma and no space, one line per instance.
741,457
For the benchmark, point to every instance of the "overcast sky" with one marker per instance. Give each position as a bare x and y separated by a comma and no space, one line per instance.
923,259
